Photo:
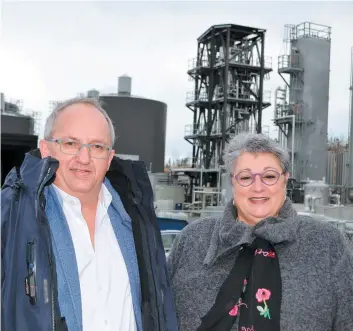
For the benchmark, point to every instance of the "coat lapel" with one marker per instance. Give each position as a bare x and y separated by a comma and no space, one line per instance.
69,292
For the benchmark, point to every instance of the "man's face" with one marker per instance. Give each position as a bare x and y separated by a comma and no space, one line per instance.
79,175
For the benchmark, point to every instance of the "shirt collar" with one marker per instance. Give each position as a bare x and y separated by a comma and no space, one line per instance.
104,197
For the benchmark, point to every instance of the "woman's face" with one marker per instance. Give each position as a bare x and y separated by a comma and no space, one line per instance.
258,200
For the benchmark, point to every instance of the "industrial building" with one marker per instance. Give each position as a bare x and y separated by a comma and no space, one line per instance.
17,135
229,98
140,124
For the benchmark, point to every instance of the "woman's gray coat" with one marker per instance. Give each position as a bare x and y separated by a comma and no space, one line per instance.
315,260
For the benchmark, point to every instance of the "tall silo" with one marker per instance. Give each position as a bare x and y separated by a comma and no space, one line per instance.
304,101
140,125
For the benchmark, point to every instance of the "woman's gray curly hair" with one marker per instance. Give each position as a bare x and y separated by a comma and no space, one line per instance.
253,143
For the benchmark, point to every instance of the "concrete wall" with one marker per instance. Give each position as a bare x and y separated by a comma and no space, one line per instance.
140,126
311,142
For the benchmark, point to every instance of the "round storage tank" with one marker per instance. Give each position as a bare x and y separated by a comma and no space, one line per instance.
318,189
140,126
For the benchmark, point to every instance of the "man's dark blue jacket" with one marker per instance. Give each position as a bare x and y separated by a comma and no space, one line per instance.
29,271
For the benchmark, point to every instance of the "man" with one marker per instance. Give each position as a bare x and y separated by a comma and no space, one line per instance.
81,249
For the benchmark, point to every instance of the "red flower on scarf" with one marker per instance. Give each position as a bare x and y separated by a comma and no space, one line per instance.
234,311
263,294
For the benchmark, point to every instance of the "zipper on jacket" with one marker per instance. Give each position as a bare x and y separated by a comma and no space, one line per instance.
52,295
31,290
46,225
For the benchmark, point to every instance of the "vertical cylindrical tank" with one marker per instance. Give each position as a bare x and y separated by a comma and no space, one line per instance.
311,48
140,125
124,85
317,190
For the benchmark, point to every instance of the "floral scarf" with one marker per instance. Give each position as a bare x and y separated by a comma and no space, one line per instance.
250,293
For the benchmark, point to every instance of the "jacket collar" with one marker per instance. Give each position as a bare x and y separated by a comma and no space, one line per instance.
228,234
35,170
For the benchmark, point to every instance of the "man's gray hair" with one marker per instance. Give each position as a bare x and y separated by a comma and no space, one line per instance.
253,143
49,125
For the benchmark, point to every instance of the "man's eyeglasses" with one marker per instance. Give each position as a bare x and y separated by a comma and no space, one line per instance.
268,177
73,147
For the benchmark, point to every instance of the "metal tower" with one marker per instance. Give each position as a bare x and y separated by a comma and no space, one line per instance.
228,96
301,108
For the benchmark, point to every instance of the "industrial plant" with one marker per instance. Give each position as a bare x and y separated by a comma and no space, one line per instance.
229,97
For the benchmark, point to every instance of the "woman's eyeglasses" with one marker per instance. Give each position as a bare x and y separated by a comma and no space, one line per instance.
268,177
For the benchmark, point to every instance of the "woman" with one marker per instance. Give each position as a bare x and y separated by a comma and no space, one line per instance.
261,266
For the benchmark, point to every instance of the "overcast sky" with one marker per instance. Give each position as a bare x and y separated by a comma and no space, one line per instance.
54,50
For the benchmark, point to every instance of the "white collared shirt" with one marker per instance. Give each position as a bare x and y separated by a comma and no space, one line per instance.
104,282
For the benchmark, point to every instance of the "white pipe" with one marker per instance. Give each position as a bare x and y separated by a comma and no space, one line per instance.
313,203
293,135
275,112
307,202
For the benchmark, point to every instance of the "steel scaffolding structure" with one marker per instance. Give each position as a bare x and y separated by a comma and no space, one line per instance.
228,96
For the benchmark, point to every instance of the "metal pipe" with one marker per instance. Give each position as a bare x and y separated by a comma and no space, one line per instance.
293,138
275,115
226,89
313,203
261,85
307,202
293,134
201,177
350,142
219,187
